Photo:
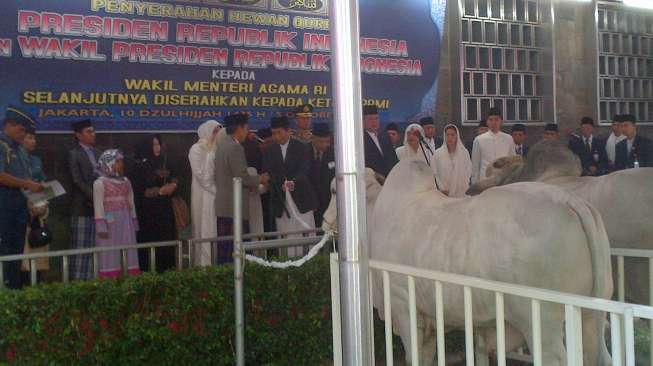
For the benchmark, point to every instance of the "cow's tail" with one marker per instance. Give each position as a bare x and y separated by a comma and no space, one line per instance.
602,287
599,247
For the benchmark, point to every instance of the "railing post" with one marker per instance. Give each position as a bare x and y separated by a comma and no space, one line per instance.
387,315
412,311
629,330
2,274
153,260
238,272
616,340
536,318
650,301
621,280
439,323
32,272
469,326
180,255
65,269
125,263
501,330
96,265
335,311
574,335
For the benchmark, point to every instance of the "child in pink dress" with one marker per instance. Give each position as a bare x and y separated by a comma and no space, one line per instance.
115,215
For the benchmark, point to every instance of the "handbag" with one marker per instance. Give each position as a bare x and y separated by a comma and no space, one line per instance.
39,235
181,212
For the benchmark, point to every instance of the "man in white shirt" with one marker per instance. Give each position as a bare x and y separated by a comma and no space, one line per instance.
615,137
490,146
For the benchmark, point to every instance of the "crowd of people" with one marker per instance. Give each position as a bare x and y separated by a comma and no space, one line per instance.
286,175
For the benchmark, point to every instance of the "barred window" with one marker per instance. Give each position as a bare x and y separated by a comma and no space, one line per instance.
507,60
625,60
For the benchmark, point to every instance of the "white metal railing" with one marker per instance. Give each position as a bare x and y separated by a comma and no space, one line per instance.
621,315
621,254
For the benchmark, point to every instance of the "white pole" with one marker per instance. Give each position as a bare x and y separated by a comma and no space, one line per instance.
469,326
350,173
335,311
238,272
501,330
387,307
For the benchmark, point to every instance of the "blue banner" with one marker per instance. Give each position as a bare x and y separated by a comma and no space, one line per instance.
169,65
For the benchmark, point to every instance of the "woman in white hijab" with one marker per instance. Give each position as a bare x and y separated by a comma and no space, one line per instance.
452,165
201,157
412,149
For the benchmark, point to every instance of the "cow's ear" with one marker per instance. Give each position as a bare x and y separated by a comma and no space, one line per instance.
511,174
379,178
479,187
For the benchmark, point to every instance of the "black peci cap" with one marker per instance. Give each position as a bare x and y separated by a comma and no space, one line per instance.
236,120
279,122
370,110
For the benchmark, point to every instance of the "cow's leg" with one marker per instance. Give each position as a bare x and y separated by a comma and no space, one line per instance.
427,340
595,351
481,351
552,325
425,333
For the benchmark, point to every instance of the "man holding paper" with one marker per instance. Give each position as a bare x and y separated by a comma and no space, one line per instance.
15,176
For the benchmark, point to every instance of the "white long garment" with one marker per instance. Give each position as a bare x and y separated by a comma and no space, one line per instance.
296,222
611,145
487,148
406,152
201,157
452,170
255,220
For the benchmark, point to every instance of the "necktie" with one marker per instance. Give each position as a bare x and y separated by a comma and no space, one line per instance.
519,150
587,145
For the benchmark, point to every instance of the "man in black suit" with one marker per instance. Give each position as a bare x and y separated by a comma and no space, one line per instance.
292,199
635,151
590,149
379,154
323,168
518,134
82,162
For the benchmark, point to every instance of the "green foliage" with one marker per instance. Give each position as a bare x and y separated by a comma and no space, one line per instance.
175,318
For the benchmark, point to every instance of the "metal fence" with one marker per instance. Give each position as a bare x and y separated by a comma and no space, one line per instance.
621,315
185,249
621,254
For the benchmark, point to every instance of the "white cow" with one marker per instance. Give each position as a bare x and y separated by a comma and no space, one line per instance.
530,234
624,199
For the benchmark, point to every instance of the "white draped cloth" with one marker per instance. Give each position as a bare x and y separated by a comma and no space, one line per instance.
255,219
201,157
489,147
611,144
452,169
294,220
406,152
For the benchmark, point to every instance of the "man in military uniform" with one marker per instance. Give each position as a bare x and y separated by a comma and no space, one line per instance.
303,116
15,176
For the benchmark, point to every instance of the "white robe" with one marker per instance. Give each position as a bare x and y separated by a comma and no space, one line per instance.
201,157
405,152
452,170
487,148
611,146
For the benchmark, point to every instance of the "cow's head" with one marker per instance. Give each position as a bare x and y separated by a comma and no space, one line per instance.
373,185
503,171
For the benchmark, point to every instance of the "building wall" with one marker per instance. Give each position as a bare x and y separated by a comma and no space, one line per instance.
575,69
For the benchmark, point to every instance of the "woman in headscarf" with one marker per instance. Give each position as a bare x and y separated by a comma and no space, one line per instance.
452,165
115,215
411,148
154,186
202,203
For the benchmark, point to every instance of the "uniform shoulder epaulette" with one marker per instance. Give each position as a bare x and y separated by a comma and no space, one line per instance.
5,146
